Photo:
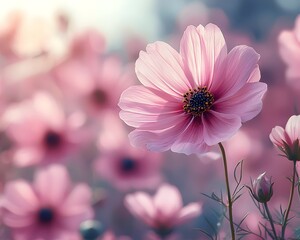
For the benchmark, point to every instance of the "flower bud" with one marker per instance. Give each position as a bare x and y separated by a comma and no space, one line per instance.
91,229
262,189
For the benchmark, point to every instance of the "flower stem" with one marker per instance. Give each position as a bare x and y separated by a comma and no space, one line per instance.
228,191
270,219
286,215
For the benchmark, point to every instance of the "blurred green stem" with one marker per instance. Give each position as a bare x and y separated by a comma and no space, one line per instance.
228,191
286,214
270,220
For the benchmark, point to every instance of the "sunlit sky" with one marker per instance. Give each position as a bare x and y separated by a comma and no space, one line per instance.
114,18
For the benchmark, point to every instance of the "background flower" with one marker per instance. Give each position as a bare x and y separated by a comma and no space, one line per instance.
49,208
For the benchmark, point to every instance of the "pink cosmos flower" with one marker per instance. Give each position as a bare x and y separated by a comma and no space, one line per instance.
129,168
289,49
287,140
164,211
48,209
193,99
97,84
40,130
122,165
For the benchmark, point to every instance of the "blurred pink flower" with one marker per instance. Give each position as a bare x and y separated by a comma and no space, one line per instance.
129,168
48,209
287,140
95,84
122,165
164,211
289,49
194,99
40,130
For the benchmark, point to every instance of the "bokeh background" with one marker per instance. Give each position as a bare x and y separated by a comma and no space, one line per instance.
81,55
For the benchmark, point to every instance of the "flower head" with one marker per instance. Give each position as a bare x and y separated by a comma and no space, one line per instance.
164,211
40,130
287,140
48,209
122,165
129,168
262,188
94,83
193,99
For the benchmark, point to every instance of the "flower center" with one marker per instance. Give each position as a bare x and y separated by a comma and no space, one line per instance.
45,215
52,139
99,96
197,101
128,164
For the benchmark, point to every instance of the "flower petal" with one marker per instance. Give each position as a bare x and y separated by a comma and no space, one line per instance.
292,128
161,68
168,203
191,140
190,211
77,201
235,71
19,198
255,75
219,127
203,50
52,184
158,141
18,221
246,103
141,206
277,136
142,108
26,156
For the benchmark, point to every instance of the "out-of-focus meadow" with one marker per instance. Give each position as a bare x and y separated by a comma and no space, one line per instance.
63,67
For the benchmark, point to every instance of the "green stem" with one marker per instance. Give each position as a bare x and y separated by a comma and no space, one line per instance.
228,191
286,215
270,219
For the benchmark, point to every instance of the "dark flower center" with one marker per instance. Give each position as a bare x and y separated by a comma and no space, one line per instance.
197,101
128,164
52,139
45,215
99,96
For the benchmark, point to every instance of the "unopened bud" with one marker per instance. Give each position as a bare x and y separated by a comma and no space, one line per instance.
262,189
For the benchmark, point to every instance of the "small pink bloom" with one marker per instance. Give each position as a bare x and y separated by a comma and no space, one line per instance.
164,211
40,130
48,209
287,140
96,84
193,99
122,165
262,188
289,49
129,168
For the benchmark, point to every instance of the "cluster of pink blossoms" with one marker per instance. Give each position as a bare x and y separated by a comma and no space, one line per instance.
62,113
